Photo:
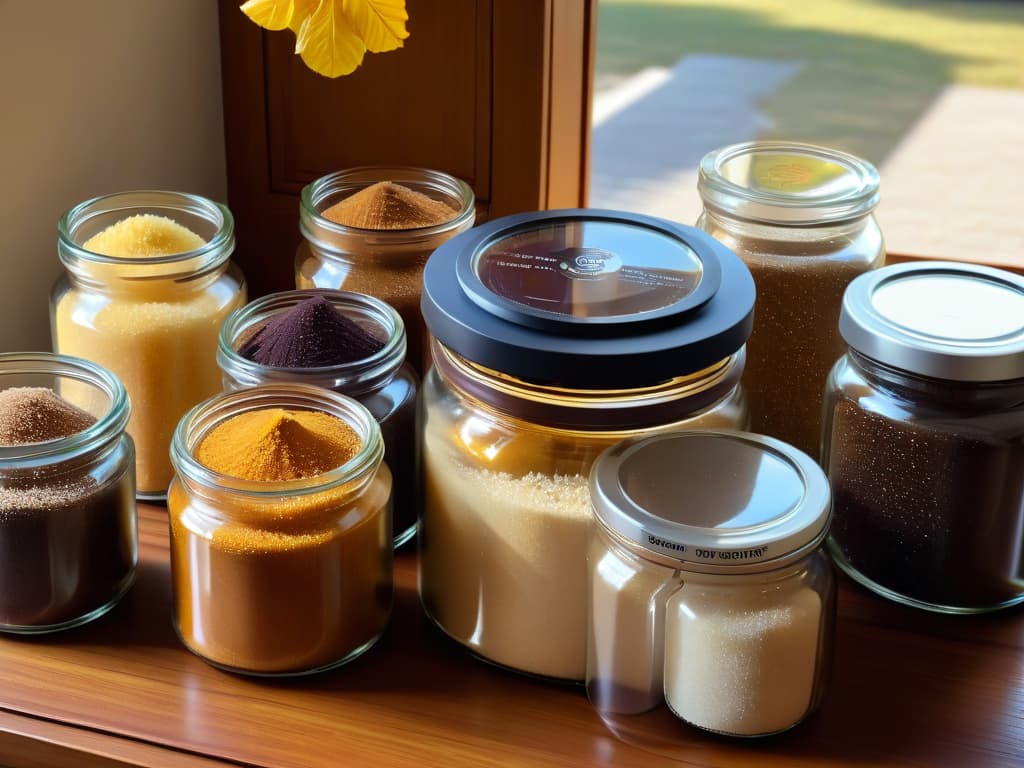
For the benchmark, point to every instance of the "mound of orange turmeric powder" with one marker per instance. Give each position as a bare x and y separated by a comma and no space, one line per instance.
275,444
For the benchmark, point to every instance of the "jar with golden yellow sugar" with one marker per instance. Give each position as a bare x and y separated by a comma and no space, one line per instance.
147,282
557,334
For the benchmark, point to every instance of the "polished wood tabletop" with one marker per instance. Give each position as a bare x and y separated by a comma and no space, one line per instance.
908,689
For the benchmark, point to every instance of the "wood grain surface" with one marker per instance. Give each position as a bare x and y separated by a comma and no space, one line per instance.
909,689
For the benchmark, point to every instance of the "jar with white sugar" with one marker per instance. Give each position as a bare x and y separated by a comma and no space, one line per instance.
556,335
709,591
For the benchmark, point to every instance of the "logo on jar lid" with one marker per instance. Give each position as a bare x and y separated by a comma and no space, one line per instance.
587,262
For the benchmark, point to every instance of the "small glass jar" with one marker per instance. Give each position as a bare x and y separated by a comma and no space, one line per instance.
563,332
709,591
280,578
151,320
68,530
386,263
801,219
383,382
923,436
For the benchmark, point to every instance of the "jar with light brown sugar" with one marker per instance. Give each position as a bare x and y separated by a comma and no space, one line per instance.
280,519
555,335
800,217
371,229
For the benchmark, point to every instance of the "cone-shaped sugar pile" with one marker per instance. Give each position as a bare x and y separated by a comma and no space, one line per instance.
274,445
38,414
144,235
387,205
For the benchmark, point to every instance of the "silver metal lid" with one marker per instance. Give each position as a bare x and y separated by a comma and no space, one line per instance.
945,320
781,182
717,498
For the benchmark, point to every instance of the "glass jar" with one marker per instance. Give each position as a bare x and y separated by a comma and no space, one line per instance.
280,578
383,382
564,332
801,218
923,436
152,320
708,588
386,263
68,531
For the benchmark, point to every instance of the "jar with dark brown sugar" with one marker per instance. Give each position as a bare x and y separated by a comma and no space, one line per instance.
371,229
557,334
277,571
68,530
801,219
923,436
380,379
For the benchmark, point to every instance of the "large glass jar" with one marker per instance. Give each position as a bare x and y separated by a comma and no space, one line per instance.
152,320
280,578
923,436
383,382
386,263
68,531
801,218
562,333
709,592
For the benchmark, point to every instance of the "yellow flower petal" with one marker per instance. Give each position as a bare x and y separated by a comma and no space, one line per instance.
328,43
380,23
270,14
303,10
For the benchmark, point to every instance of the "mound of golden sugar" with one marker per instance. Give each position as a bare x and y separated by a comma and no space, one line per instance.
275,444
143,235
387,205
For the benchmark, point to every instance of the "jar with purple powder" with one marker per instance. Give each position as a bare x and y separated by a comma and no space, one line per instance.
347,342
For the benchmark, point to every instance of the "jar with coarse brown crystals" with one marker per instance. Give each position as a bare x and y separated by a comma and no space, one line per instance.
280,576
371,229
801,219
560,334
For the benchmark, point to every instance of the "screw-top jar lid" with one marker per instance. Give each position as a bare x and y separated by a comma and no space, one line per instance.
588,298
946,320
712,498
779,182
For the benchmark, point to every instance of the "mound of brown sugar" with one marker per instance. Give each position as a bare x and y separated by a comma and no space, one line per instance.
38,414
387,205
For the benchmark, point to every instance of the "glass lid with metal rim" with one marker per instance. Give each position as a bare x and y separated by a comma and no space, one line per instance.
588,298
712,497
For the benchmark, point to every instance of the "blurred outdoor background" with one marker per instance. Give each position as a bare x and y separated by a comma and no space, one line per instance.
931,91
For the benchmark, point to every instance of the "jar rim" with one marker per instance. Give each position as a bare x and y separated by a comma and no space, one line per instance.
211,254
316,192
198,422
108,426
354,377
808,184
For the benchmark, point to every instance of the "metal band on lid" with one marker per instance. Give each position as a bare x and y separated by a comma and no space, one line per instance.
945,320
585,298
712,498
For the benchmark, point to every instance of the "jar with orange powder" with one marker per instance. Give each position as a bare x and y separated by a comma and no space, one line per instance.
148,281
280,519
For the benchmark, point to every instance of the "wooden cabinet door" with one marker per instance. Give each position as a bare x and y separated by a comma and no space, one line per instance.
496,92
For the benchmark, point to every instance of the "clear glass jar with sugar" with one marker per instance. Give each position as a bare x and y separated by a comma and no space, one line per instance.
709,592
801,218
561,333
371,229
147,282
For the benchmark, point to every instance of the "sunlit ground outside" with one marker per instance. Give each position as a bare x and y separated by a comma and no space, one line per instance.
932,92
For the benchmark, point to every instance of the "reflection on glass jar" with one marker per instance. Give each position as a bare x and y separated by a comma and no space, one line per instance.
383,382
280,577
565,332
149,312
801,219
68,531
924,436
709,593
383,262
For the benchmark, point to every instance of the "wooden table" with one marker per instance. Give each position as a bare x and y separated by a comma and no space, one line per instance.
909,689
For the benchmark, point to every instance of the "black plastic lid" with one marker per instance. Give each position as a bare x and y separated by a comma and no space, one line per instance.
588,298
